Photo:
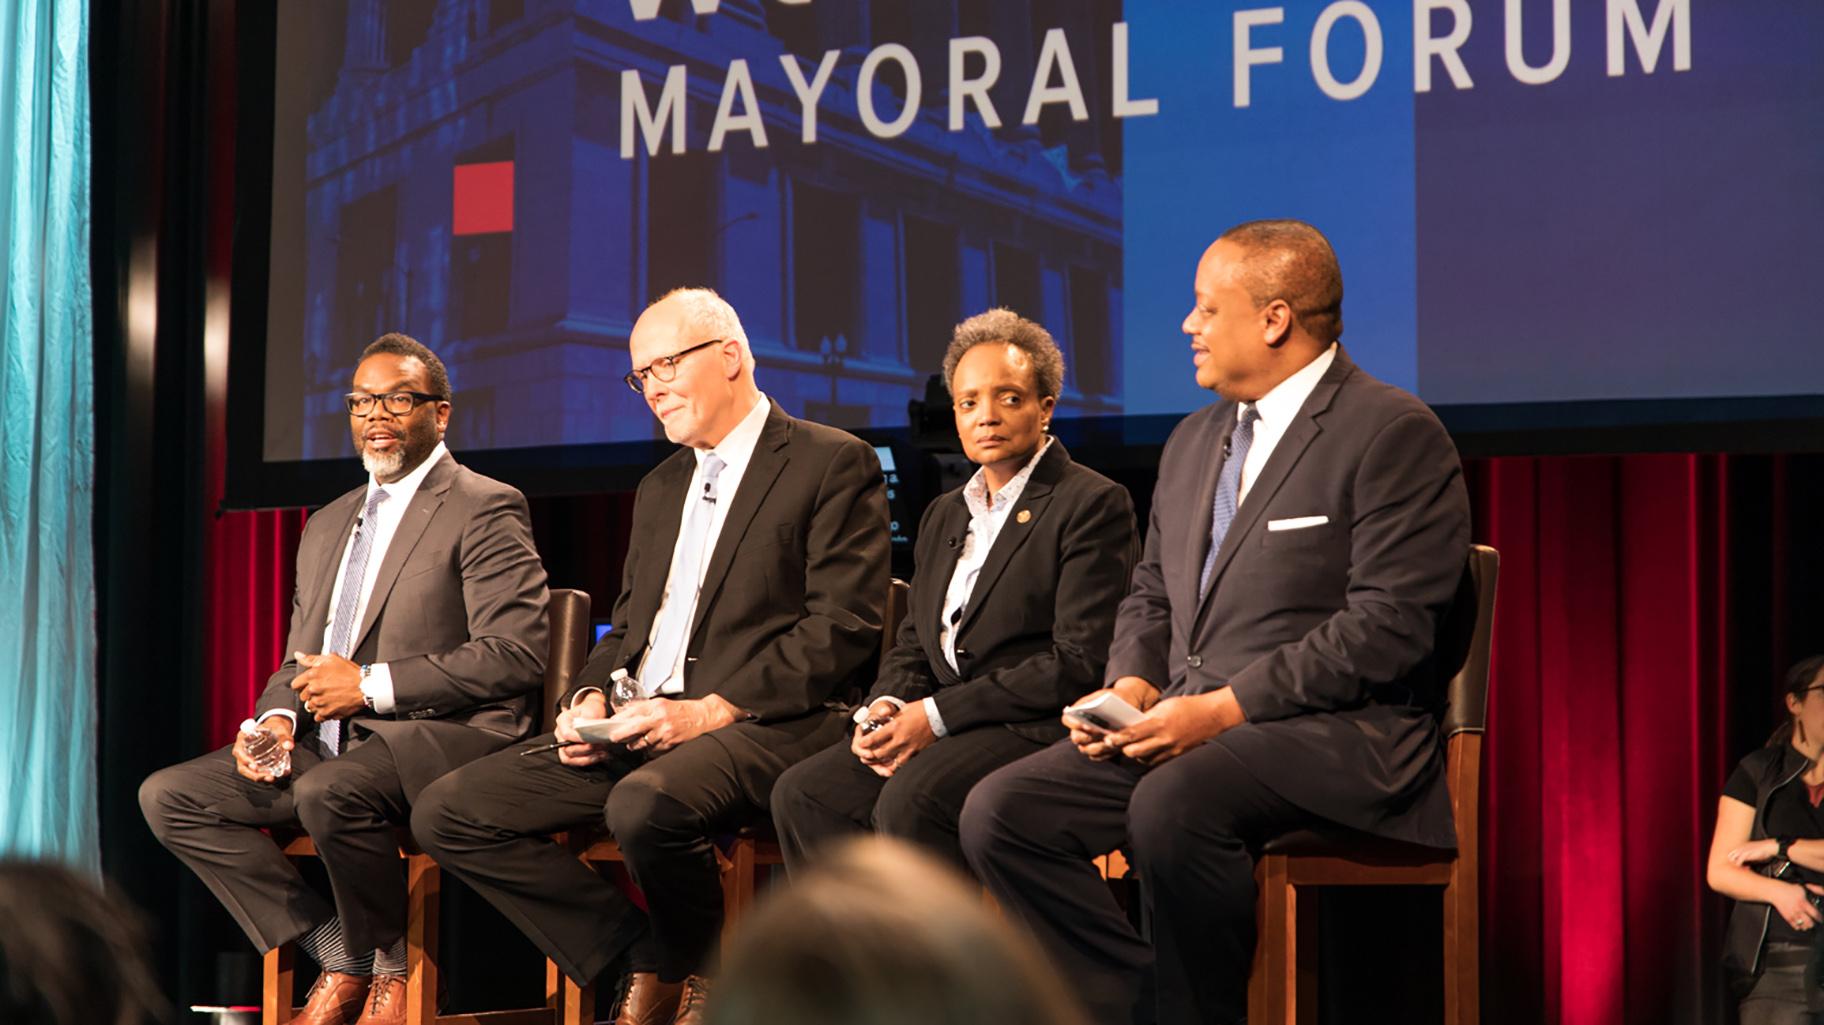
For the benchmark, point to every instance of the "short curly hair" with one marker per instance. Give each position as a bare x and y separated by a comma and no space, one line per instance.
395,344
1004,325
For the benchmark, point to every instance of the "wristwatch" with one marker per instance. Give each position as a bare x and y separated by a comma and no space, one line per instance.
1781,845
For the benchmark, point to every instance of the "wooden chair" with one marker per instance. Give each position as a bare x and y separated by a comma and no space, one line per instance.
739,857
1283,984
568,614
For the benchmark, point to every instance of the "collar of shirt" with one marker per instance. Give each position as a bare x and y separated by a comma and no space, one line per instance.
736,449
1276,410
975,493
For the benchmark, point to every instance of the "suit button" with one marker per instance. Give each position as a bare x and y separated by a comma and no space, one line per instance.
962,653
1194,661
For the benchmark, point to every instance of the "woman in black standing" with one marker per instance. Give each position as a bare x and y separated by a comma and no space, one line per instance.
1767,854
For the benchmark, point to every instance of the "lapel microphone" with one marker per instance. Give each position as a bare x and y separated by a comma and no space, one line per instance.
954,542
1228,446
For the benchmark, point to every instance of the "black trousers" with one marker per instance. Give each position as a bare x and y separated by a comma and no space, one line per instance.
489,822
1190,825
211,817
831,795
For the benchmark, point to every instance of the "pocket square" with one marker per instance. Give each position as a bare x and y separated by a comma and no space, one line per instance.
1298,523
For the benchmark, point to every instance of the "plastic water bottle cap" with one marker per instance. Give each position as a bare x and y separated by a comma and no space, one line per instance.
249,726
618,675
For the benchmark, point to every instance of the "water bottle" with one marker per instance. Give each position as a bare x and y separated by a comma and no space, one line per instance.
264,750
623,690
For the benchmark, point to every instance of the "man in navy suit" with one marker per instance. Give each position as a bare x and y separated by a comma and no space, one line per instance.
1307,535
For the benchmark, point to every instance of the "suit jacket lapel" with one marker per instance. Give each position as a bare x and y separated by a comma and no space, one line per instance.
1017,527
425,503
666,495
931,586
328,562
763,467
1298,436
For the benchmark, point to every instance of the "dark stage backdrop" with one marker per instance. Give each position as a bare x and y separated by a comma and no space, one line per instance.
1641,625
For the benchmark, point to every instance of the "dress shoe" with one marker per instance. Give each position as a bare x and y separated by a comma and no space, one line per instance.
385,1001
649,1001
335,999
691,1007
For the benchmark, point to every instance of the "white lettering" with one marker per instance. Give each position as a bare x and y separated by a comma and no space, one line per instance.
1425,46
808,95
974,90
738,83
1246,56
1525,73
1672,16
646,10
1320,49
864,90
652,128
1125,107
1055,53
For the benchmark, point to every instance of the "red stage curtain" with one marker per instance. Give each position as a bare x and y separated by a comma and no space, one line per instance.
1609,723
1608,736
251,562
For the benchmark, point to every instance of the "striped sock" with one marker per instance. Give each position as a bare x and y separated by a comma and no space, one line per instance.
390,960
325,947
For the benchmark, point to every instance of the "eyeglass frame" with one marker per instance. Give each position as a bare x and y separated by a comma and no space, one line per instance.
418,398
636,378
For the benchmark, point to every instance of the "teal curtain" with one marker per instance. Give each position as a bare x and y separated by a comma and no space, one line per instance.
47,437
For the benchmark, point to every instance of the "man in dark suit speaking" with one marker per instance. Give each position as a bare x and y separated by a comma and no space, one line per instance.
750,606
418,637
1307,535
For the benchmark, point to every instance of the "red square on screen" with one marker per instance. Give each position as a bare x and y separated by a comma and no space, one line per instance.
484,198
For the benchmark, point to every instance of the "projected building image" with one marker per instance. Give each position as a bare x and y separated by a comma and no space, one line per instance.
466,182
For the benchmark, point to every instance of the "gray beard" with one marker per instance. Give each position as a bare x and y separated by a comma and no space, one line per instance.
384,465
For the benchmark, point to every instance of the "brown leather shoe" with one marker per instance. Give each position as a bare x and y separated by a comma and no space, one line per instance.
335,999
385,1001
691,1007
649,1001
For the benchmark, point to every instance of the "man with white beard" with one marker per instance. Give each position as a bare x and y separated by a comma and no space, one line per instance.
417,644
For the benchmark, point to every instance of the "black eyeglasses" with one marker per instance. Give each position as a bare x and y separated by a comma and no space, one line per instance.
665,368
398,403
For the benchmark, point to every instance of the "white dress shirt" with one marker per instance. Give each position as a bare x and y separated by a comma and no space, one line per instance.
1276,410
736,450
378,685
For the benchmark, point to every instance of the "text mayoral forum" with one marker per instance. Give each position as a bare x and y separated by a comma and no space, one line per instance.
1259,43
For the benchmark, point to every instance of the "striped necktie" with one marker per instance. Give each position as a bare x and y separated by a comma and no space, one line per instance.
1228,488
342,628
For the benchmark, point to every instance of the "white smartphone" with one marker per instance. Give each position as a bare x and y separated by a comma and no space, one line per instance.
1106,712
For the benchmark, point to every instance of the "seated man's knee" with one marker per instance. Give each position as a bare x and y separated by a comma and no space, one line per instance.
791,793
326,797
993,815
644,819
160,799
437,815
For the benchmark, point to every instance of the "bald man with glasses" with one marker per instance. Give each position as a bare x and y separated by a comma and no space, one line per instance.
750,608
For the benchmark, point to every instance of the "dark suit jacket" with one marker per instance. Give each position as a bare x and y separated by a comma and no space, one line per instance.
1324,633
789,617
457,614
1035,631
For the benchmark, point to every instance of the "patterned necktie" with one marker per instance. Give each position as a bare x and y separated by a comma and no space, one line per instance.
342,628
680,599
1228,489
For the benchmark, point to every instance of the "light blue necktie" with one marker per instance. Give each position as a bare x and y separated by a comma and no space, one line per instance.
342,628
1228,488
680,600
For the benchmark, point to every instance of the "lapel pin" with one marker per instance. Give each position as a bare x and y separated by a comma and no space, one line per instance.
1024,516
